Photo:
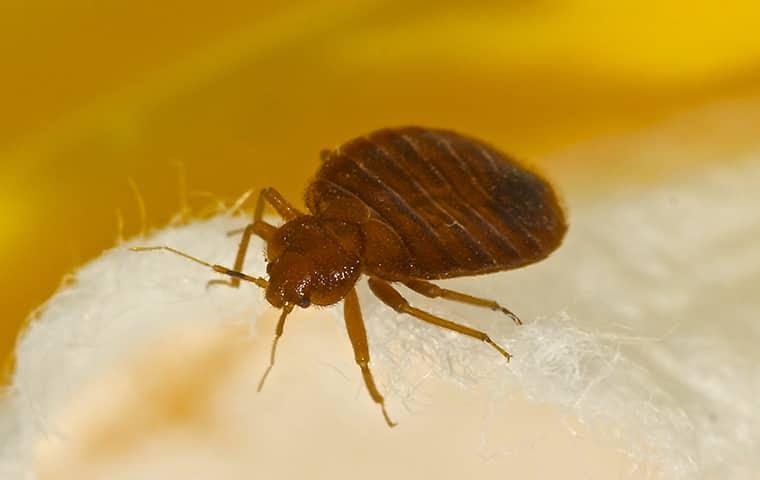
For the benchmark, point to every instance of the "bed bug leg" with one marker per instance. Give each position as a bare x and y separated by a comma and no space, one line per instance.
217,268
358,335
260,227
286,309
434,291
390,296
278,202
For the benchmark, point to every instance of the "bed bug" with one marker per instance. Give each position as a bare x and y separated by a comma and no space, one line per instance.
400,205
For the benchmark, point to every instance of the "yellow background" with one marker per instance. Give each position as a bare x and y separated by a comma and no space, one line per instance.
245,93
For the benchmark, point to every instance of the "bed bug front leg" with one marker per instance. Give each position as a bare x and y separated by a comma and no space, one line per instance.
358,336
260,227
390,296
434,291
284,208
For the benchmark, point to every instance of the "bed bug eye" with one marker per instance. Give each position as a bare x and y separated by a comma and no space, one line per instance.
304,302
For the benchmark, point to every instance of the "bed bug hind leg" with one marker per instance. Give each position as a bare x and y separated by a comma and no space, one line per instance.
358,336
434,291
391,297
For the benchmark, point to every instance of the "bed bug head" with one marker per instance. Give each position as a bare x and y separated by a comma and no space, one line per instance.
290,280
312,261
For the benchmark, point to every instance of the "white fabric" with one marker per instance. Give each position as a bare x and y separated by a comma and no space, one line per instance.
644,323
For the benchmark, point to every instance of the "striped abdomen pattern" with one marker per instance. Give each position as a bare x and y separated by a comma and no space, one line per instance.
458,206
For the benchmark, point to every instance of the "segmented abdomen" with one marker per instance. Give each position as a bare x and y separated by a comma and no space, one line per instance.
458,206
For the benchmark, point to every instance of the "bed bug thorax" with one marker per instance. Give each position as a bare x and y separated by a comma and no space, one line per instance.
405,205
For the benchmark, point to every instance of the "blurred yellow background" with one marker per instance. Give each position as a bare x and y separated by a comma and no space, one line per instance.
244,94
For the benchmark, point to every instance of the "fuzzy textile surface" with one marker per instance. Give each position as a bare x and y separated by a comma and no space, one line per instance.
644,324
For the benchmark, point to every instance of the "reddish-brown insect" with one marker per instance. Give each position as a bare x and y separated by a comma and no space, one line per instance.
404,205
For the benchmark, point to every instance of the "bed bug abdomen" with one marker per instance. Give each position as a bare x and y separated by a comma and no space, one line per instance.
457,206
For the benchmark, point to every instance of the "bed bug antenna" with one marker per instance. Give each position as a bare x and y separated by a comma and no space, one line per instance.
286,309
217,268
